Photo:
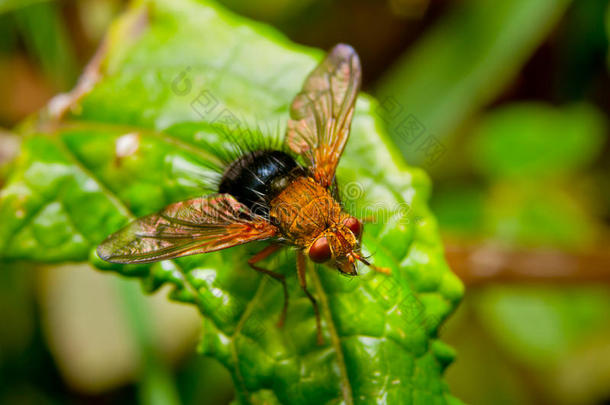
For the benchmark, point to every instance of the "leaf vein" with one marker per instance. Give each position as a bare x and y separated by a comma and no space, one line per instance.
346,387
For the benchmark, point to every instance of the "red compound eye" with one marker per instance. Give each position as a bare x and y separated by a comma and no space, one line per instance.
354,225
319,251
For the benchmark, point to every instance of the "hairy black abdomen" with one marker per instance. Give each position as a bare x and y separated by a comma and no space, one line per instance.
254,179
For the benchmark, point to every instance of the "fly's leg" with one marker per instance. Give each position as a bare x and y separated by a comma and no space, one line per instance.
263,254
301,267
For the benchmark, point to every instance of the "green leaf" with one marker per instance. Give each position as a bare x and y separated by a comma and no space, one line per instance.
608,32
534,140
526,214
520,145
460,65
459,208
11,5
47,40
541,326
143,134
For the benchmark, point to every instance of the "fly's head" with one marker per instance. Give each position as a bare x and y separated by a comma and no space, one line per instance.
340,245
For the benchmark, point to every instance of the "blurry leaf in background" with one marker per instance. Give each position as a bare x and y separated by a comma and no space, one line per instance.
535,141
37,57
172,72
462,63
532,185
410,9
27,88
269,10
515,148
46,38
90,335
535,158
96,15
543,327
524,214
482,374
26,369
538,325
522,145
42,45
583,375
460,208
11,5
608,31
8,35
580,70
16,293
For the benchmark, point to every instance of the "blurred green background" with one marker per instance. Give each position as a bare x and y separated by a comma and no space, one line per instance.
505,104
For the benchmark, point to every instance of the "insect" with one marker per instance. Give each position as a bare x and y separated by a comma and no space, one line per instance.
269,195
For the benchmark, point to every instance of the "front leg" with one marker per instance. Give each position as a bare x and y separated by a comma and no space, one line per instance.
301,267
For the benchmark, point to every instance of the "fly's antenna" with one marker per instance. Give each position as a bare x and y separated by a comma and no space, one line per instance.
365,261
366,257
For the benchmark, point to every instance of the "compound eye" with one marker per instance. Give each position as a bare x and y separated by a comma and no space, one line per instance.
354,225
319,251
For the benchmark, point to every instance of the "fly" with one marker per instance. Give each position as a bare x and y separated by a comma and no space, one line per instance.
268,195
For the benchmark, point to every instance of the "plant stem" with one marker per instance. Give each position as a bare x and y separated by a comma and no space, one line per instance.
486,263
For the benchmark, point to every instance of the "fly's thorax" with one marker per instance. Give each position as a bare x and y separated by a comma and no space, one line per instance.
303,209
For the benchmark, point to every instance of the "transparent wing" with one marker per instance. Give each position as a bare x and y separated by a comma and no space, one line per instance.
321,114
189,227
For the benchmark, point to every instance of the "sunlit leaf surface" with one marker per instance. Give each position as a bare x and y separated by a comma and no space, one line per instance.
143,134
